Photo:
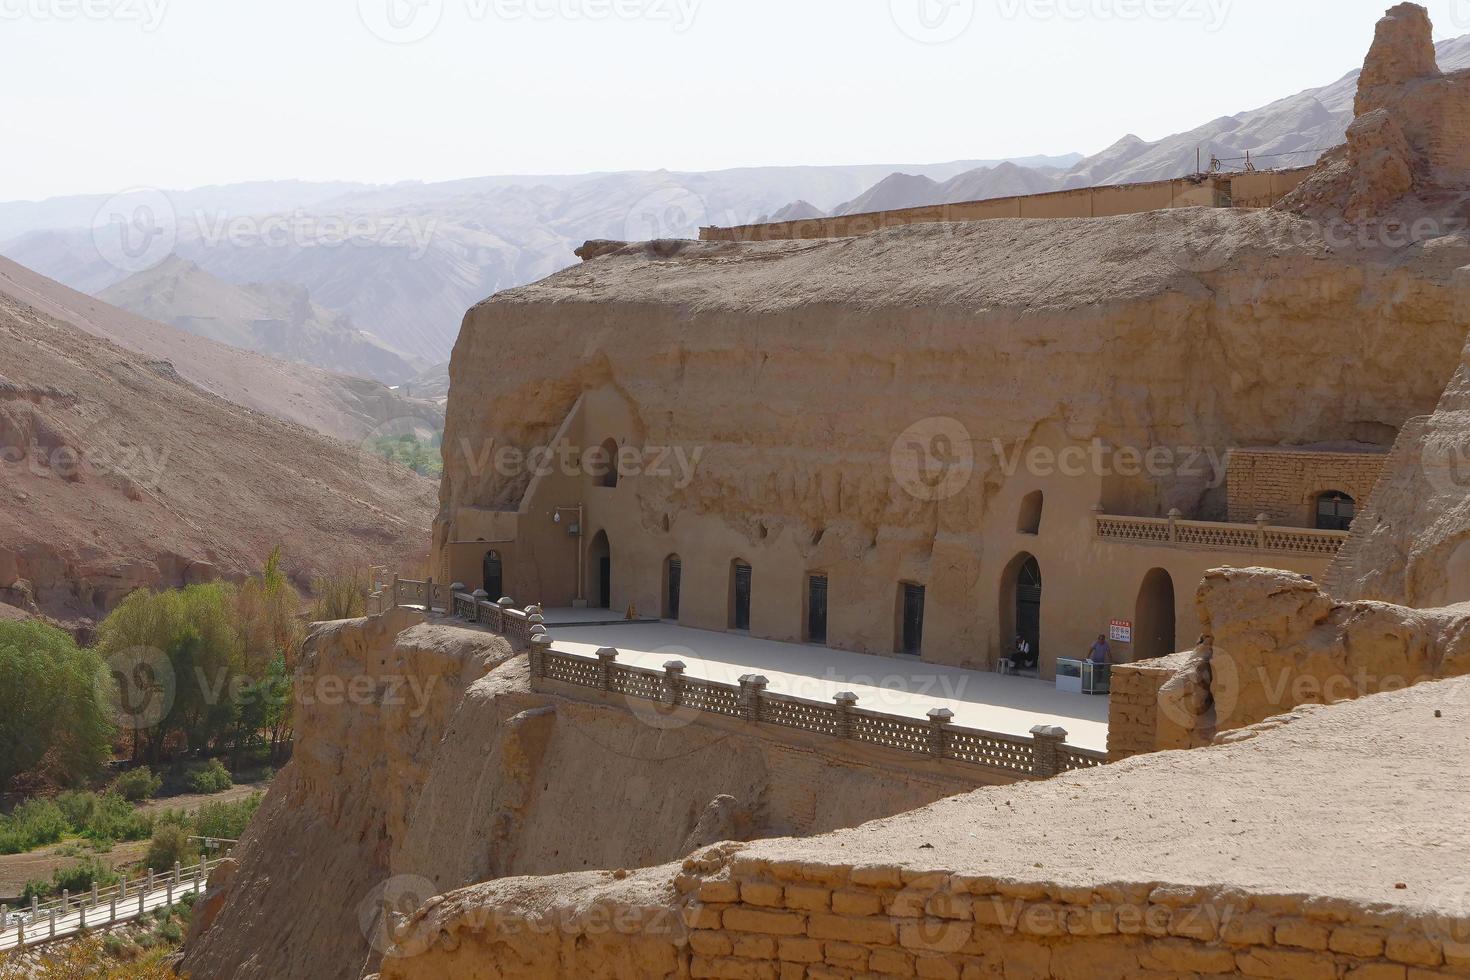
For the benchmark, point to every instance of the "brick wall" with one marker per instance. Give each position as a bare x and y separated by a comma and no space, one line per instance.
793,921
1157,705
1285,484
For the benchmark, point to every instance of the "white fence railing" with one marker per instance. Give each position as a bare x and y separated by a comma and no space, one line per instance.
44,922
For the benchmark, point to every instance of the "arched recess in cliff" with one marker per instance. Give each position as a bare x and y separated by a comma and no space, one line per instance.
599,571
1153,617
1020,603
1029,519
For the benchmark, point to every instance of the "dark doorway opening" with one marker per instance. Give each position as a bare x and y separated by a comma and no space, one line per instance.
1153,617
911,633
1335,511
600,564
673,574
740,579
1028,603
816,609
494,575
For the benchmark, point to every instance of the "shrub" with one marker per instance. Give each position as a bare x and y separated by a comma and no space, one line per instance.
226,821
138,784
82,876
213,778
34,823
339,597
170,844
113,818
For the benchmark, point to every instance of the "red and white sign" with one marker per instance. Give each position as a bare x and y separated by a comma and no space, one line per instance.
1120,631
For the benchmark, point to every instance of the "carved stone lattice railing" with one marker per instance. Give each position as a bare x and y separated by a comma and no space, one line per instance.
1172,531
1044,754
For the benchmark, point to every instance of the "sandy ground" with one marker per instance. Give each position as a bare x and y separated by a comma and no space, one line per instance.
1010,705
17,869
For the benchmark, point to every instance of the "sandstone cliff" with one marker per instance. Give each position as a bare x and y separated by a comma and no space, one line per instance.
449,771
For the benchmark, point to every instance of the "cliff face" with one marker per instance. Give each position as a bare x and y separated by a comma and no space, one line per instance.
1203,329
443,769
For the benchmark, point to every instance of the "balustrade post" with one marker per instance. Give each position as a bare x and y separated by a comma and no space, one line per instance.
1046,743
846,703
1174,516
393,593
65,901
35,907
1261,521
53,923
176,873
429,595
674,683
21,937
752,696
480,596
606,657
150,882
939,722
540,647
95,895
112,910
454,590
123,887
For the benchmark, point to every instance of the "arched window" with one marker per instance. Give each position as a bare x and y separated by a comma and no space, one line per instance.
607,474
1029,521
1335,511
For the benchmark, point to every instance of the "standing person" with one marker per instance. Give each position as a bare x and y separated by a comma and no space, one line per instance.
1100,653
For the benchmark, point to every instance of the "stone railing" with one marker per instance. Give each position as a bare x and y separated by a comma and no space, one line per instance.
1043,754
1173,531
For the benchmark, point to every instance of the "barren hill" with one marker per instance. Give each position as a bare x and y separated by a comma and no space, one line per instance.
117,472
335,404
275,319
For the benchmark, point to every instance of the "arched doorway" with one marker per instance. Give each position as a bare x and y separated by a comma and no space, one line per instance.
608,464
599,566
673,579
1020,604
1153,617
494,576
1335,511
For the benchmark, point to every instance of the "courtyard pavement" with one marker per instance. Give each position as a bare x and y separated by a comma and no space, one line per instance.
899,686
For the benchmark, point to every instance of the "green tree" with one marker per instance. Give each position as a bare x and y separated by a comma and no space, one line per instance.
53,712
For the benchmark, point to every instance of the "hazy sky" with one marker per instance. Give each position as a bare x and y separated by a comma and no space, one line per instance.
102,95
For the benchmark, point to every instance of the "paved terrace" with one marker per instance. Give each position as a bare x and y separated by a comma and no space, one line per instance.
899,686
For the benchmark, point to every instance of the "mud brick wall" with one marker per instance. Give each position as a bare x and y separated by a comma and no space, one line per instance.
1285,485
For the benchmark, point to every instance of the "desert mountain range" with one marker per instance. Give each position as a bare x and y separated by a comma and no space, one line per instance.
276,319
119,471
404,262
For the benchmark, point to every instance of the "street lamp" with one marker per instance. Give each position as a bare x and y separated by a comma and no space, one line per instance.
574,531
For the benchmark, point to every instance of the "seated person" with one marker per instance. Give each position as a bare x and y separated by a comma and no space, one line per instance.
1024,657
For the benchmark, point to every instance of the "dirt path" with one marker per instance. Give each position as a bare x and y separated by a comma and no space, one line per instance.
17,869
